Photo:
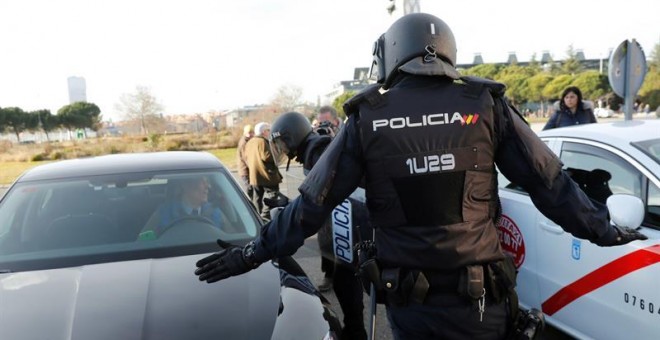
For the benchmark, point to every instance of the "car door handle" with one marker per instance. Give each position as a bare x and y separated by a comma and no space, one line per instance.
551,227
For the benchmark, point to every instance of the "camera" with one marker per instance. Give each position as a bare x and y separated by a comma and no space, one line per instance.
324,128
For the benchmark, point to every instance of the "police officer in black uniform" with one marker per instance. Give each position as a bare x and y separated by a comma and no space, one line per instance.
428,141
292,137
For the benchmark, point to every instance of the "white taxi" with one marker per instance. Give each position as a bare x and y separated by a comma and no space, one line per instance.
585,290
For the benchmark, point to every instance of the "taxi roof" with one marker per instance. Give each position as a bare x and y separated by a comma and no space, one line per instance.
614,133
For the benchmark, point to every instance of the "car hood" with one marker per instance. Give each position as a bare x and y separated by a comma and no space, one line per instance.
145,299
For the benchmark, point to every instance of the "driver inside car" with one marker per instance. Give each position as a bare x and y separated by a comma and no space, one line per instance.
189,202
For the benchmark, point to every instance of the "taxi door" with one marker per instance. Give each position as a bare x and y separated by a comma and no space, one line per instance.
601,292
517,229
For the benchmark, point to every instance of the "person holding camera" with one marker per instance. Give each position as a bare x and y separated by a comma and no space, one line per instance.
328,121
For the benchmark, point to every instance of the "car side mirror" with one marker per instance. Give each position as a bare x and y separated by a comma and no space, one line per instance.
626,210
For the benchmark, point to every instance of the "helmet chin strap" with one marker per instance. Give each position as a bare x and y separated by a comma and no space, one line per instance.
288,161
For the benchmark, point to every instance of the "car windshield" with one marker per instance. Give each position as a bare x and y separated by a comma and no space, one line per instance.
81,221
650,147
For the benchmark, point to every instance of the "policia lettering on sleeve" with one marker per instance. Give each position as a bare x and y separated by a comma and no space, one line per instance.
371,94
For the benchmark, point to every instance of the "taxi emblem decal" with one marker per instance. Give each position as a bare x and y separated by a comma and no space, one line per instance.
511,240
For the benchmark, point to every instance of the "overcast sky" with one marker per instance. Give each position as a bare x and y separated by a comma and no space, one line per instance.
198,55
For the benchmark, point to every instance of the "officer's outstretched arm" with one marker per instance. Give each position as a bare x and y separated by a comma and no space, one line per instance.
333,178
527,161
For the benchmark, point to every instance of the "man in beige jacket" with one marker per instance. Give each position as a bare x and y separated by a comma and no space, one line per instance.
264,175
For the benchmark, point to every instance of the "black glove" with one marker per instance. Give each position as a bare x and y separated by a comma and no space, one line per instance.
230,261
626,235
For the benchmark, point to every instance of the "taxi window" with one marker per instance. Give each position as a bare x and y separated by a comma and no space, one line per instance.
600,173
653,209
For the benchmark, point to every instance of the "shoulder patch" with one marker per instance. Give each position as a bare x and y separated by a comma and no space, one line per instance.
495,88
371,94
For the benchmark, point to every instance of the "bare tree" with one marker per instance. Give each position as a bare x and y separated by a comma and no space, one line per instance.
142,107
287,98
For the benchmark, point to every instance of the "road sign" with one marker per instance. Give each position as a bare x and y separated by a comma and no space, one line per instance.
627,69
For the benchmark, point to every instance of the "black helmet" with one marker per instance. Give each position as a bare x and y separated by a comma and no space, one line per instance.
287,133
417,43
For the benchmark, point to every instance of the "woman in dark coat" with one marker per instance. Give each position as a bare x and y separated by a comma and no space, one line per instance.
572,110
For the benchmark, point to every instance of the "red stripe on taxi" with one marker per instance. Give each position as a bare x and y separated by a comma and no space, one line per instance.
620,267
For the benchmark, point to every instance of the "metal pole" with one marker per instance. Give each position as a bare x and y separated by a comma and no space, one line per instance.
629,97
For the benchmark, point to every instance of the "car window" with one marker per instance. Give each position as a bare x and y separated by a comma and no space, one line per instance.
601,173
598,171
50,224
650,147
653,203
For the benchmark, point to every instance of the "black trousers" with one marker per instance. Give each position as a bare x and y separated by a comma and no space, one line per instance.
245,181
348,289
456,318
259,193
327,267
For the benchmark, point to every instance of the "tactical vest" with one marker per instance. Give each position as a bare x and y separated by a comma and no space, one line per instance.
431,184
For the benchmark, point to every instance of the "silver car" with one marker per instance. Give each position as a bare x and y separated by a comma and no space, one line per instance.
95,249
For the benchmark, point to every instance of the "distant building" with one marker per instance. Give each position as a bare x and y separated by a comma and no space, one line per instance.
546,61
77,89
513,59
478,59
232,118
359,82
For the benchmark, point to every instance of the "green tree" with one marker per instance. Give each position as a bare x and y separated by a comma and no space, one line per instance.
69,119
80,115
516,84
488,71
534,64
141,106
515,79
3,121
17,120
516,69
338,103
556,86
649,93
535,86
654,61
592,84
46,121
571,65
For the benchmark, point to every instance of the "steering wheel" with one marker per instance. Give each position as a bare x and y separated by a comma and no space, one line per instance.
186,218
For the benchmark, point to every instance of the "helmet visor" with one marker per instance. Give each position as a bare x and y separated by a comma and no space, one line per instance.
280,150
377,70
